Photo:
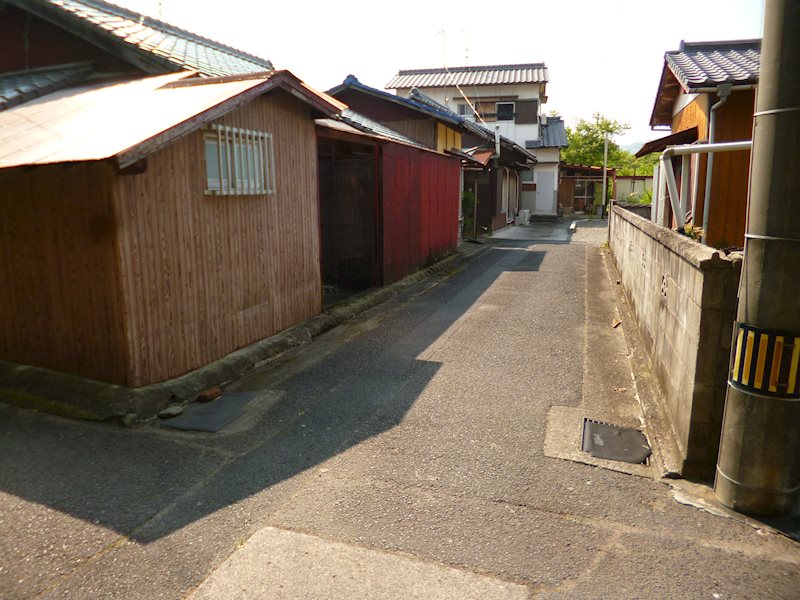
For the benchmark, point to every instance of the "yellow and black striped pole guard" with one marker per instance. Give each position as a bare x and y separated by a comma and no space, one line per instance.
765,362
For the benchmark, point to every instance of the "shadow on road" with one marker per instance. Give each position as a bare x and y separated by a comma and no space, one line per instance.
147,484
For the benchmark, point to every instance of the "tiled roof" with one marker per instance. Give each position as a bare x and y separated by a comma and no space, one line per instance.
553,134
21,86
474,128
426,105
157,45
708,64
485,75
442,114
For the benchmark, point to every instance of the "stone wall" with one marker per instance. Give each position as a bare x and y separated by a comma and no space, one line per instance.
683,295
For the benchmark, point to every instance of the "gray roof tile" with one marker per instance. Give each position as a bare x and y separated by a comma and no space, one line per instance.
21,86
708,64
484,75
553,134
167,44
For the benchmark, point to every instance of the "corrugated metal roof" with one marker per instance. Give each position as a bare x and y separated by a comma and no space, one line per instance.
687,136
100,121
708,64
169,46
21,86
553,134
469,76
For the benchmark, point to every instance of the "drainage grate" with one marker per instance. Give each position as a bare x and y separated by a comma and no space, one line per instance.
612,442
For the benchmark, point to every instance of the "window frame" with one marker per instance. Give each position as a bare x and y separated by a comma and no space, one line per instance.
497,111
245,161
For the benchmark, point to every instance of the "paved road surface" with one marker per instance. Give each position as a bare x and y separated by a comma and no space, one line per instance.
401,455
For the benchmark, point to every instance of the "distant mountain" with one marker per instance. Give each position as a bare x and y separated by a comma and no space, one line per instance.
633,147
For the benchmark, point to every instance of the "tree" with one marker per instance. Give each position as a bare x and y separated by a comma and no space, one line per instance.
586,141
630,165
586,147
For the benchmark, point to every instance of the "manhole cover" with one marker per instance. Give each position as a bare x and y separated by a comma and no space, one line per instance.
612,442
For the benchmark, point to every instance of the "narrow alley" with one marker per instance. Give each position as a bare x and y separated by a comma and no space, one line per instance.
424,449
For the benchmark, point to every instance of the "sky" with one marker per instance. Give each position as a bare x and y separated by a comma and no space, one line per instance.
602,57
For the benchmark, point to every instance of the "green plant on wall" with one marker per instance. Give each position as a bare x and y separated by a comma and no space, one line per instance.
468,203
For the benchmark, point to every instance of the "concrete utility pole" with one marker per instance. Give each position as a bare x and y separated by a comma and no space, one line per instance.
605,169
758,468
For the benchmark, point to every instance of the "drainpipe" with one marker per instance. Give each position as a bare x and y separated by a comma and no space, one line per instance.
758,466
723,91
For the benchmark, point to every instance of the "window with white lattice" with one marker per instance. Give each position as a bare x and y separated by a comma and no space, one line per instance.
239,161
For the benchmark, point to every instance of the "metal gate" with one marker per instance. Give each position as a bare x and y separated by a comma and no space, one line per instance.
347,215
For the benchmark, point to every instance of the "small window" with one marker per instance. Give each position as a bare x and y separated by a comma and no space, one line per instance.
239,161
505,111
463,110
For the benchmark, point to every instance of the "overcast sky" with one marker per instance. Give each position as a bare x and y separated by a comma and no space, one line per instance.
602,56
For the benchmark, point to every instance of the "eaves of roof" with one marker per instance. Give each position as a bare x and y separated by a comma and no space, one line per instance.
126,121
687,136
351,82
471,76
149,44
702,67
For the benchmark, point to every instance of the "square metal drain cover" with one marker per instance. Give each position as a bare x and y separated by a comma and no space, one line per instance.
612,442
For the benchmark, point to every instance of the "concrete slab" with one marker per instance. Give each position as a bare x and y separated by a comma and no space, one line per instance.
553,232
563,440
278,564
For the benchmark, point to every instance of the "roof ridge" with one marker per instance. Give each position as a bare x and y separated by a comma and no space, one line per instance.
686,47
467,69
154,23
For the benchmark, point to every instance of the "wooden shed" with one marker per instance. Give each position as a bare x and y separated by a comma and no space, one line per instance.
151,226
388,206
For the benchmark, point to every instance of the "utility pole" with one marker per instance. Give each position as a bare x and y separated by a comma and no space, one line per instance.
758,467
605,168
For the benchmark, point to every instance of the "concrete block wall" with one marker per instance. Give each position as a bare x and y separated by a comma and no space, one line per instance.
684,297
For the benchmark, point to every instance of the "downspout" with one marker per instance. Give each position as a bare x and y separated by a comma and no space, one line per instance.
723,91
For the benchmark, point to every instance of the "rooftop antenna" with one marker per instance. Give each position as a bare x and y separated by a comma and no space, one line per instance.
444,61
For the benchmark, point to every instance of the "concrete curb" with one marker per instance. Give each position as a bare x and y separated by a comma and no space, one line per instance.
77,397
667,458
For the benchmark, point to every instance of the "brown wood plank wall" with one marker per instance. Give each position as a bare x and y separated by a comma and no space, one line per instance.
206,275
421,130
59,302
731,172
693,115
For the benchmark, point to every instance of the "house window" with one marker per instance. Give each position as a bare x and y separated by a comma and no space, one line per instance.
239,161
505,111
464,110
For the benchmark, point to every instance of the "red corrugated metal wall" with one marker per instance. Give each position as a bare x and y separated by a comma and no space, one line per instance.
420,199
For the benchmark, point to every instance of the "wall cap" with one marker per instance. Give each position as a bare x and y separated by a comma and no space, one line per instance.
703,257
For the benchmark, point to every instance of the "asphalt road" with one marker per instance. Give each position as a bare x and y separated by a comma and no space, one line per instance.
400,455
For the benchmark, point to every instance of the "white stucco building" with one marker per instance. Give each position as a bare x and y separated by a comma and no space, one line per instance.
507,99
